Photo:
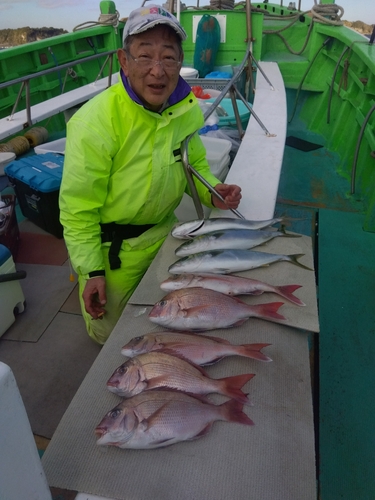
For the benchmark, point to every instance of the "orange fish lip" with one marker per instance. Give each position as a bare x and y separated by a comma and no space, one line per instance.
100,432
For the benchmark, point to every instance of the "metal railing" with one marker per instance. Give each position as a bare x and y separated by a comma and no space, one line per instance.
25,80
231,88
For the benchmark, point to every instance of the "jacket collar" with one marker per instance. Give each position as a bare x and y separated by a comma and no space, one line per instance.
182,90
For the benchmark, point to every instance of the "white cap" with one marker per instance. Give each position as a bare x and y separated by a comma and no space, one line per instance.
144,18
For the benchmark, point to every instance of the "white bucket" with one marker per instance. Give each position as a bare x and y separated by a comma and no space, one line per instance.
5,158
189,73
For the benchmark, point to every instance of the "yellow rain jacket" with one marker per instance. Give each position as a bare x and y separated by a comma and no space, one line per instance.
120,166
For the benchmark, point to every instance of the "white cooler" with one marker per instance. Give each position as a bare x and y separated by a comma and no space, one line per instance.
11,296
21,474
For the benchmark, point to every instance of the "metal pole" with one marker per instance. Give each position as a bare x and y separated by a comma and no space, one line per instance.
193,189
236,112
268,134
189,171
372,37
28,104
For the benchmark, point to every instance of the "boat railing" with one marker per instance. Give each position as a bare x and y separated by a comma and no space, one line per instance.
25,82
230,88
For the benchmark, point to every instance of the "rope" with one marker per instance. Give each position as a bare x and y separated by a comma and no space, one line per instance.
332,84
222,4
294,20
326,41
104,20
327,14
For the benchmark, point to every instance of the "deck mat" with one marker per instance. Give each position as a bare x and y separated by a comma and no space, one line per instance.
280,273
45,289
49,372
347,354
41,249
272,460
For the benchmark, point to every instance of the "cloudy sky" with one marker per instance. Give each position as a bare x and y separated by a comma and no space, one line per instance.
69,13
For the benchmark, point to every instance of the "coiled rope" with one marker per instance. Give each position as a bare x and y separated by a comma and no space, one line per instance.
222,4
104,20
327,14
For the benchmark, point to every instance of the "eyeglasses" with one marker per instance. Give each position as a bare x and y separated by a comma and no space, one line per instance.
146,63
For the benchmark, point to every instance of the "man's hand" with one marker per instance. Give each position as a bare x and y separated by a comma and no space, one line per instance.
94,297
231,194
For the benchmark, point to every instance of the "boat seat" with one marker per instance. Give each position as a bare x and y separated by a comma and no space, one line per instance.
257,165
52,107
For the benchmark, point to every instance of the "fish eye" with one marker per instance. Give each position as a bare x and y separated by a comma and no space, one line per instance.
122,369
114,413
137,339
162,303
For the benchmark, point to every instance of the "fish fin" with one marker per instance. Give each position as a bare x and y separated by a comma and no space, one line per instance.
174,352
232,412
146,423
213,361
204,431
294,260
288,235
267,311
162,442
155,383
286,291
231,387
239,322
256,292
254,351
216,339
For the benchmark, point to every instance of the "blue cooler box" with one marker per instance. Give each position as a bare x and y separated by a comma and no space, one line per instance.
36,181
230,119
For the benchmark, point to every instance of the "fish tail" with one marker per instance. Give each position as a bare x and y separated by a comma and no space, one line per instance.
267,311
231,387
286,291
232,412
254,351
288,235
294,260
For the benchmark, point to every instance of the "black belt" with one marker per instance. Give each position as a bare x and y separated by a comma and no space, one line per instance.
116,233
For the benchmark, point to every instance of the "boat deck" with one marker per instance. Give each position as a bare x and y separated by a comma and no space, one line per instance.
50,366
345,347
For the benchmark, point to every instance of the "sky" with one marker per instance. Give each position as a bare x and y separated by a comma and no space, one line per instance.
67,14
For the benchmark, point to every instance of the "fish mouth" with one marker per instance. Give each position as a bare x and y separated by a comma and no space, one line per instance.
100,432
112,387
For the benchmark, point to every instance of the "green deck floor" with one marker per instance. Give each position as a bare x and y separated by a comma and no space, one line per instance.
344,399
346,357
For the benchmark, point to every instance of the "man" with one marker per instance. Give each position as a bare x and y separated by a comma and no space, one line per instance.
123,176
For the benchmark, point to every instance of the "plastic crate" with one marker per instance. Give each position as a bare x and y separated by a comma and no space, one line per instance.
36,181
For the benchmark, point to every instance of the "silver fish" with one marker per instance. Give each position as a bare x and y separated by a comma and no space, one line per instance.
229,261
228,239
198,349
160,418
190,229
157,370
199,309
229,285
